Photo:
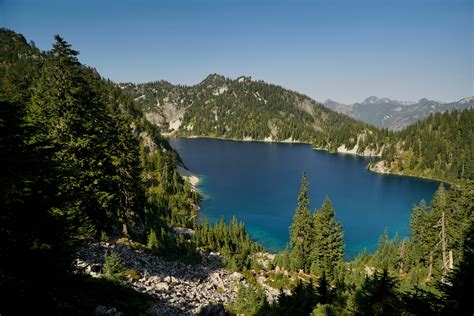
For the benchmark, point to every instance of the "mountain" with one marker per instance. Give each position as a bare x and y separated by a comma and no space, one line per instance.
395,115
248,109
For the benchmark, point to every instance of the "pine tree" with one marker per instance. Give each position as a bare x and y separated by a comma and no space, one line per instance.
378,295
460,281
328,247
152,241
301,231
69,109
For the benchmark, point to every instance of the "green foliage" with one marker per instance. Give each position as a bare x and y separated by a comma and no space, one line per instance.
457,290
231,240
113,269
152,242
325,310
73,167
282,258
249,300
302,301
301,231
378,295
316,242
421,302
441,147
387,254
328,251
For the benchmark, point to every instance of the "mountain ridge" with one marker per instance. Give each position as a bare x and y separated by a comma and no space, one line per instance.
248,109
394,114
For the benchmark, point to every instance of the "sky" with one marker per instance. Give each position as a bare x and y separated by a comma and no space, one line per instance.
342,50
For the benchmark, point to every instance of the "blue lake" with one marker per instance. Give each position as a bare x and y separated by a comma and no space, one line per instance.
259,184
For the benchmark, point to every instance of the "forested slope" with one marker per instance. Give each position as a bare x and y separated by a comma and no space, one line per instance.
80,164
440,147
253,110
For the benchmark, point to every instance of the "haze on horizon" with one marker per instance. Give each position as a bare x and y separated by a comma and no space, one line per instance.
342,50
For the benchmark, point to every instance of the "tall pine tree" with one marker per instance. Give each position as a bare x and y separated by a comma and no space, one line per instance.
301,231
328,248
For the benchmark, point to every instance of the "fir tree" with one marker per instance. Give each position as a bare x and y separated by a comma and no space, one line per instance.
378,295
301,231
328,248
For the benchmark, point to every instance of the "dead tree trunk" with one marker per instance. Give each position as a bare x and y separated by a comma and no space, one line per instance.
400,258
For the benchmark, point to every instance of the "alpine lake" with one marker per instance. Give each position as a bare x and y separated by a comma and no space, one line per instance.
259,183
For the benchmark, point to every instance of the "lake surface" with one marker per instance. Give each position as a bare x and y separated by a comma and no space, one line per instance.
259,184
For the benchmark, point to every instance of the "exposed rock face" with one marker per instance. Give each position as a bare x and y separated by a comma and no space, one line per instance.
179,288
379,167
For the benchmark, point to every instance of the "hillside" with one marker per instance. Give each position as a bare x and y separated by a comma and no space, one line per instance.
437,147
440,147
246,109
80,164
395,115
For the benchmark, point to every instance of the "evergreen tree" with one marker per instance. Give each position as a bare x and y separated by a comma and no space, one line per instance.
328,247
301,231
378,295
69,110
459,286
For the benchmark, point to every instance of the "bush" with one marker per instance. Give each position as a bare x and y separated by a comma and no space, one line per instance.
113,269
250,300
152,242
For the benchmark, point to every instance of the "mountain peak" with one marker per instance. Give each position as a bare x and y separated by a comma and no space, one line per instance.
424,101
213,78
375,100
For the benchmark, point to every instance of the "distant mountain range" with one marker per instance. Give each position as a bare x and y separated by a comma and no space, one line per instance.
393,114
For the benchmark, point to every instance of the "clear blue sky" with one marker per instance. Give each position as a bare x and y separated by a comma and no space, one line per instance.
344,50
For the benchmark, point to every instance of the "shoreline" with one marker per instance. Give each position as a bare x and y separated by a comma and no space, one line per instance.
378,170
286,141
337,152
192,178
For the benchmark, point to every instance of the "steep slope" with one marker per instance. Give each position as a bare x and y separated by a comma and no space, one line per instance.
250,110
393,114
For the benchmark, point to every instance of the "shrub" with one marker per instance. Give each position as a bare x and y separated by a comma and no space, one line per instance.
113,269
